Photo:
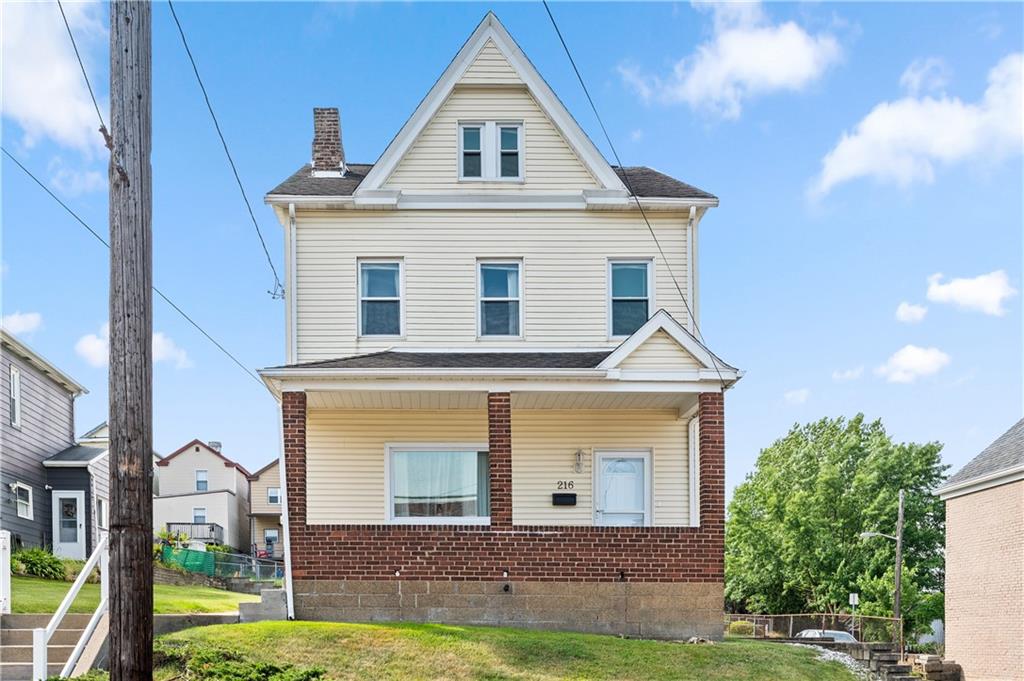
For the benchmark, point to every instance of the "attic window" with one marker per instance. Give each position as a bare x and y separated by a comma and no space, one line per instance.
491,151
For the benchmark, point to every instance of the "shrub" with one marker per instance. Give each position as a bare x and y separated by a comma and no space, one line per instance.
72,568
741,628
41,563
218,548
91,675
204,662
17,567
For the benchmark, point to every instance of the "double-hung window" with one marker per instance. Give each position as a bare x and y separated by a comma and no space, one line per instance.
102,513
15,396
440,484
199,515
202,480
630,295
500,299
491,151
23,500
273,495
380,298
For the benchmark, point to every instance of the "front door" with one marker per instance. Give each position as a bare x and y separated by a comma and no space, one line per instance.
623,489
69,524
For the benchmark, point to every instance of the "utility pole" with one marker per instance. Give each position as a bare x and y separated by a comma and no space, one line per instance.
898,594
131,333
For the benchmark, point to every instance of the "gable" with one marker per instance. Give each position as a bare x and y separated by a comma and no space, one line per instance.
490,68
660,351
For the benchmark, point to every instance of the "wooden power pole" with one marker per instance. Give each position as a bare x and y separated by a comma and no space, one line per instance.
131,344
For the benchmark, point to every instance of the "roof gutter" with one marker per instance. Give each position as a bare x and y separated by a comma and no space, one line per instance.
397,200
980,483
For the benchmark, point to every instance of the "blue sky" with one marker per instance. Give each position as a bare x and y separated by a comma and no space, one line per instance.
859,150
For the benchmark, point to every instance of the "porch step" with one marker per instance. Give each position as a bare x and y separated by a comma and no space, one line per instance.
24,653
16,643
23,637
70,621
22,671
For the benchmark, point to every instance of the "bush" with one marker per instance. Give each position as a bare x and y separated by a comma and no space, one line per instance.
218,548
204,662
91,675
741,628
40,563
72,568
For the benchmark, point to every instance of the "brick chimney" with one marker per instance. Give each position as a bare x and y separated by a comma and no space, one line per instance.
328,154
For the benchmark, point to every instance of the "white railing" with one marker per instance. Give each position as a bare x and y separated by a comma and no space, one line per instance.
41,636
5,572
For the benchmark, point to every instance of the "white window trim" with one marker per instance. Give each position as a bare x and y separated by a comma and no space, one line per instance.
651,305
480,297
17,503
207,480
648,456
389,504
274,503
15,396
401,297
694,464
102,513
203,509
275,530
490,150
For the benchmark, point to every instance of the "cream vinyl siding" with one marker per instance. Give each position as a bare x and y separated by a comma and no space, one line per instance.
660,352
549,162
565,273
490,68
179,475
544,444
258,490
345,455
345,452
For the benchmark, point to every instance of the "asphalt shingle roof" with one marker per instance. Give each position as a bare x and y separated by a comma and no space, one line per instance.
390,359
1005,453
646,182
78,454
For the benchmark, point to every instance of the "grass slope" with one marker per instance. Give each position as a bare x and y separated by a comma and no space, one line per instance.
433,651
34,595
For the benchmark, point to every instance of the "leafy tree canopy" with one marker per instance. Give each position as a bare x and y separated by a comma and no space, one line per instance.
793,533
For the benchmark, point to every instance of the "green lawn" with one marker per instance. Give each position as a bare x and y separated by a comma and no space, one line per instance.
432,651
34,595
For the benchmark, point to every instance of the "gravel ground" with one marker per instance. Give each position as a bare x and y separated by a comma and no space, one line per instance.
827,655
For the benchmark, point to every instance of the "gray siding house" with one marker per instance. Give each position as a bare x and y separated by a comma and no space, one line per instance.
53,491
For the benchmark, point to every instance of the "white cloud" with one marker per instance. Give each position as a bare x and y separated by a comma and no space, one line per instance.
95,349
909,313
798,396
44,92
925,75
903,141
747,56
985,292
636,135
911,362
74,181
22,322
847,374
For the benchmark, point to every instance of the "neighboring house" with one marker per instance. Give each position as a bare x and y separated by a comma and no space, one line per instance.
985,561
54,492
204,495
265,511
495,405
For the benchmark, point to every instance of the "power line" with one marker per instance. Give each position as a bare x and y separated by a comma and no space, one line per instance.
629,187
278,291
88,85
155,289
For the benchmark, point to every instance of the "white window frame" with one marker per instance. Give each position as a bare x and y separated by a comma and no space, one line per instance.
276,531
651,305
17,502
15,396
401,296
206,518
102,513
389,508
206,479
694,441
480,299
648,457
490,150
278,495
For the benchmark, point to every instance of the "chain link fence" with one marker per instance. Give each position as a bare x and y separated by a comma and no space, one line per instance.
223,565
863,629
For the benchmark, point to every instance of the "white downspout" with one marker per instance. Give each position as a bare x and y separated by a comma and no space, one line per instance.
288,592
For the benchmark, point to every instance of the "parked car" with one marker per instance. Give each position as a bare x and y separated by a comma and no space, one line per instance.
837,636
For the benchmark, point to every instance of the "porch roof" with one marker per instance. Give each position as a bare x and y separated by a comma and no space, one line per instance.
77,455
396,359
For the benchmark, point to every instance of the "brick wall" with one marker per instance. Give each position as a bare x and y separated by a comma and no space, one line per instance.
985,583
528,553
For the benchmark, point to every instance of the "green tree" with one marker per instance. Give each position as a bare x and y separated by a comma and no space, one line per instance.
793,533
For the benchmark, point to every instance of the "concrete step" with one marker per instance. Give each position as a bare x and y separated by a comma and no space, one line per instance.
70,621
24,653
22,671
23,637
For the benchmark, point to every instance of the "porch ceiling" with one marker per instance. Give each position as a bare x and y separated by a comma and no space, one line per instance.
429,400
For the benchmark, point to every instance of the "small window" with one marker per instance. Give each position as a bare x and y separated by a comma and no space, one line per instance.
440,486
15,396
380,298
202,482
23,500
273,495
472,151
271,535
102,517
500,297
509,156
199,515
630,296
